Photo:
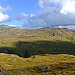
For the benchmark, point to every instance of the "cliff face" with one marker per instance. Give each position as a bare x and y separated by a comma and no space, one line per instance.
3,71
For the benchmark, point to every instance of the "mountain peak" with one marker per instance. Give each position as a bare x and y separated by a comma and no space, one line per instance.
47,28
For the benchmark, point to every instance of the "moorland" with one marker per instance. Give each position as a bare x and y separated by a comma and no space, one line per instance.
44,51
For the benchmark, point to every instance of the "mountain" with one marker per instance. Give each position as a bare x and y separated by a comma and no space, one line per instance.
48,47
25,43
42,32
5,28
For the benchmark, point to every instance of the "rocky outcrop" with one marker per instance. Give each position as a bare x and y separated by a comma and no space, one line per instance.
4,71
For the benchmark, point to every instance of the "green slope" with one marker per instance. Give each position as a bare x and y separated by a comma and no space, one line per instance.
25,43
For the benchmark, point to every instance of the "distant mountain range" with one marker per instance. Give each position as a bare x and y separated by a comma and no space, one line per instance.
48,40
47,31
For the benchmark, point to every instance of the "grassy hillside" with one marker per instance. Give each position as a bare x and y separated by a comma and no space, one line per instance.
4,28
46,64
26,43
43,32
45,51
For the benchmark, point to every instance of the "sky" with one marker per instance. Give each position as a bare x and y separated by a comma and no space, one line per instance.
33,14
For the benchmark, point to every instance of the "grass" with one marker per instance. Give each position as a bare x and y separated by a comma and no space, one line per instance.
58,64
29,48
37,49
18,64
39,41
10,61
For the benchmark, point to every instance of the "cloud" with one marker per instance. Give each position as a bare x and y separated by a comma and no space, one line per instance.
5,9
45,3
65,6
34,23
4,18
68,7
68,26
12,25
17,17
24,15
52,13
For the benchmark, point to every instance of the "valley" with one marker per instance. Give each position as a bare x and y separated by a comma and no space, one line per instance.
45,51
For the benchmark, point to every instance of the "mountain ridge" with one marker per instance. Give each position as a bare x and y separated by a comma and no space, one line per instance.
39,41
43,31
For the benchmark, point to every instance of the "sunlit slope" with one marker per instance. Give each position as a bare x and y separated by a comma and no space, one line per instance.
11,61
4,28
43,32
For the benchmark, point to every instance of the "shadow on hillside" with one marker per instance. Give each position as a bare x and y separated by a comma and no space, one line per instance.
27,49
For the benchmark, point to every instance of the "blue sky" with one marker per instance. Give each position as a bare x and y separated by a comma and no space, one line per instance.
18,7
33,14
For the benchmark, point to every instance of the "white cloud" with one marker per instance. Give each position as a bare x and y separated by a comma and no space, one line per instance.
68,26
5,9
25,15
12,25
4,18
53,13
68,7
45,3
22,16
